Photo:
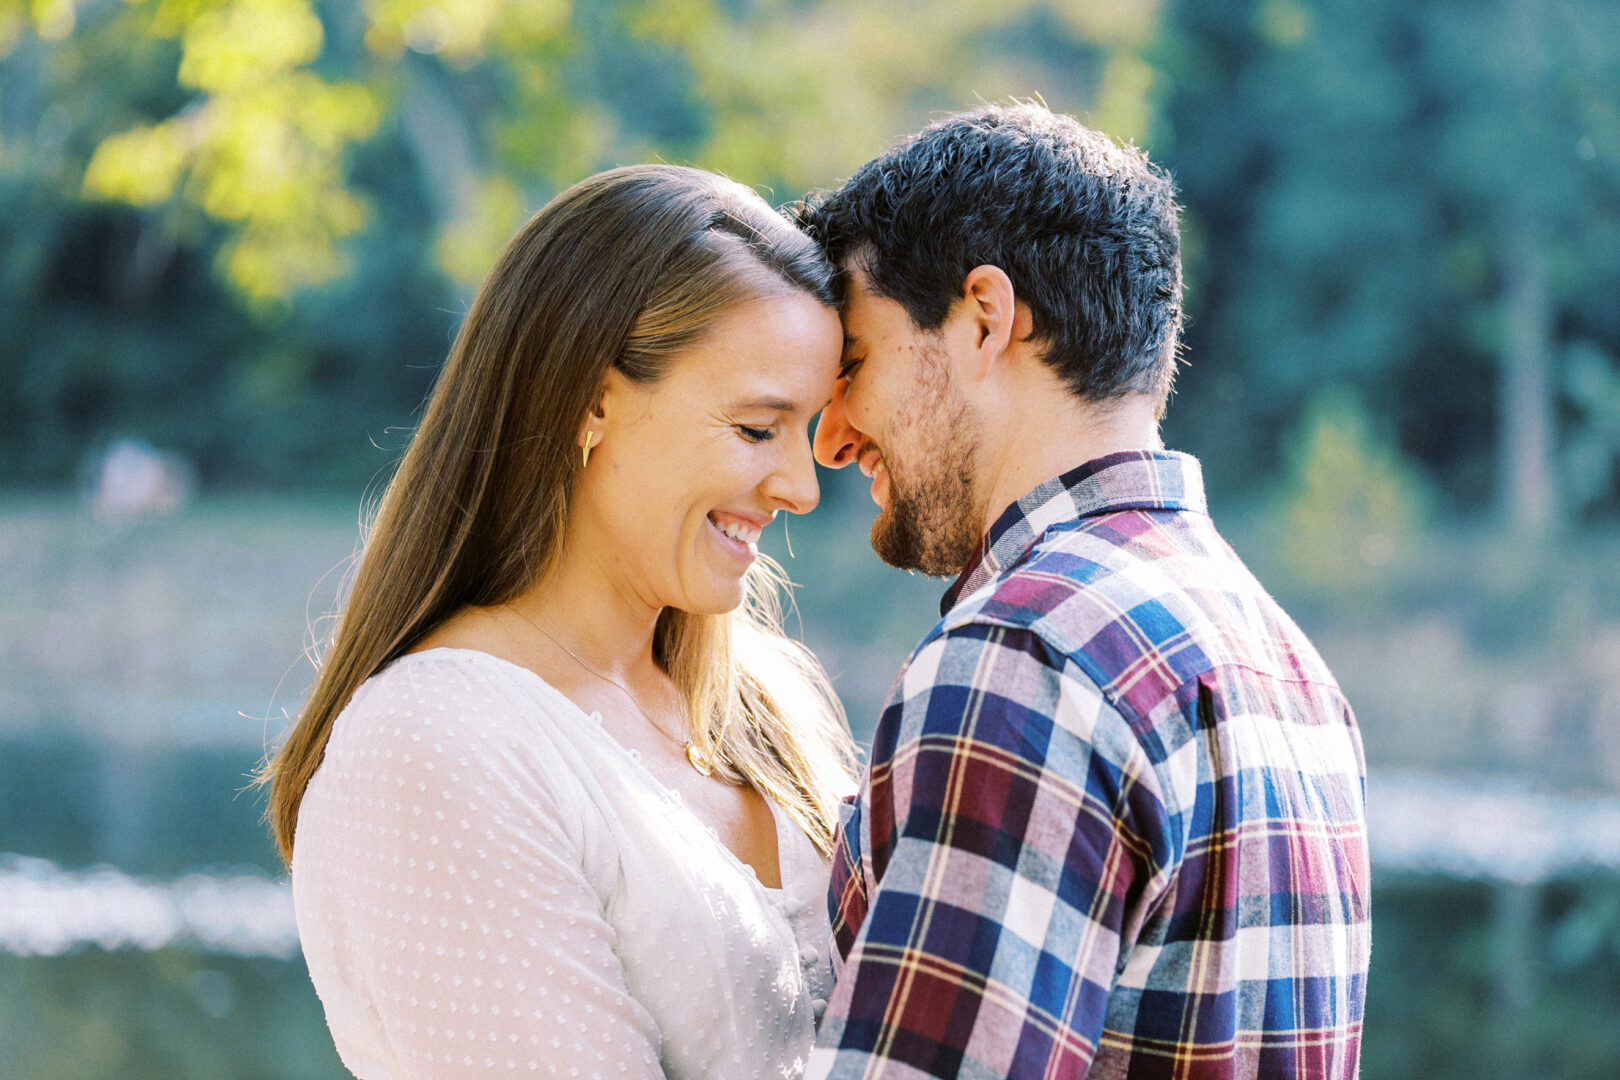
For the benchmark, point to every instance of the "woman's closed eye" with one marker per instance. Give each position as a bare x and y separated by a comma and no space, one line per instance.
756,434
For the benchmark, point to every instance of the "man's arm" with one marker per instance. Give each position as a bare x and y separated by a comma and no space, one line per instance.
1002,829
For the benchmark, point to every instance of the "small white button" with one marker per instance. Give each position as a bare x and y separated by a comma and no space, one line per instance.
819,1007
809,956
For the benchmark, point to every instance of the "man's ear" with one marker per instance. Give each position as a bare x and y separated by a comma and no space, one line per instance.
993,314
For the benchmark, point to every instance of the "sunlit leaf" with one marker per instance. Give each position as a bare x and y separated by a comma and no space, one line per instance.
1283,23
1126,24
272,263
239,45
141,166
1351,502
469,242
1124,107
54,20
12,21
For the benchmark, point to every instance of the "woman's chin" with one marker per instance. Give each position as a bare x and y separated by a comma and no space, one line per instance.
716,599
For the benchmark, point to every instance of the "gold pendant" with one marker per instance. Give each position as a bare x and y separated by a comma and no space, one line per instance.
698,761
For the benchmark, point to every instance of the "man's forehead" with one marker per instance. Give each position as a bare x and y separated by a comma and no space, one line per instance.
861,319
853,271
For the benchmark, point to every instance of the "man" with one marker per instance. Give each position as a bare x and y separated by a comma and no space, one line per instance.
1114,820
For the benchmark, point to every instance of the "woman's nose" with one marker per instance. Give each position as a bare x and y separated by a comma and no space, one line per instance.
792,485
837,440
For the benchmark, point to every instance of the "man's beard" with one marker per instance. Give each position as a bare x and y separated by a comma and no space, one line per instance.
931,523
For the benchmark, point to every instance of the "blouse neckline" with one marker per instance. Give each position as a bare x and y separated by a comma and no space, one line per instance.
783,827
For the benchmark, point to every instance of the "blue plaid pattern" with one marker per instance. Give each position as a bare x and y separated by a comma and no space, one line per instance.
1114,824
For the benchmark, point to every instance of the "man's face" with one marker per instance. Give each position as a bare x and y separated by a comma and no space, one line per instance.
896,414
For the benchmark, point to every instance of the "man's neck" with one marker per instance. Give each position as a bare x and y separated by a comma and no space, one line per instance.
1045,434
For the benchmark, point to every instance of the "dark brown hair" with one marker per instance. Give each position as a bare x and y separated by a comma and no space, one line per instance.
1086,229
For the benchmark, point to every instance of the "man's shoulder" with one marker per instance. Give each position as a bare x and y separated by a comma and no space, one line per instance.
1083,574
1134,593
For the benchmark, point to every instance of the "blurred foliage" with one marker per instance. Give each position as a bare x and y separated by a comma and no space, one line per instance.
1350,502
1410,200
244,229
1592,451
1486,984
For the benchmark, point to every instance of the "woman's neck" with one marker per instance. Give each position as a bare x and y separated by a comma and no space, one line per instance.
585,608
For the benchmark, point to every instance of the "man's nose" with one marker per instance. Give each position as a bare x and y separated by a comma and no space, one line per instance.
837,440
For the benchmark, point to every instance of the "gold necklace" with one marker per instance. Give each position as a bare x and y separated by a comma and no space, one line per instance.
694,757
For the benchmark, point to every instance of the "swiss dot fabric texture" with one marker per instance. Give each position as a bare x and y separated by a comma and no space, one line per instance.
487,884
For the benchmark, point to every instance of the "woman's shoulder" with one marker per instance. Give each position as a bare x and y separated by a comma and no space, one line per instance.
449,728
454,705
441,680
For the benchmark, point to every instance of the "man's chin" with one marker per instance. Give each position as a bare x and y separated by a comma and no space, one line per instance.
891,547
907,549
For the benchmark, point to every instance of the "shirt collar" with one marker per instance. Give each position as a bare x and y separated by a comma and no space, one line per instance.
1129,480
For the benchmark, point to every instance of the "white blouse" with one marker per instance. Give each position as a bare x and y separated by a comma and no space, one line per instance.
487,883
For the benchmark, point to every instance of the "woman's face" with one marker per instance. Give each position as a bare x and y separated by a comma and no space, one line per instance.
686,473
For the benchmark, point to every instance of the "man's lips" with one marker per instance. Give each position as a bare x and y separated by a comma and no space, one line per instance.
870,462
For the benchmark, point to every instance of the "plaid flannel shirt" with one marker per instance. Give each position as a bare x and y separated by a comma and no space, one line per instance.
1114,823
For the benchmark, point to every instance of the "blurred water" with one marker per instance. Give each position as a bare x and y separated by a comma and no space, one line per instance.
46,911
1488,828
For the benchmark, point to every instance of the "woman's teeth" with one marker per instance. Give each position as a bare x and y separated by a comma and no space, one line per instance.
748,534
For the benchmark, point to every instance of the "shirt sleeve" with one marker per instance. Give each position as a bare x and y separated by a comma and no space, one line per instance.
1002,849
448,922
846,887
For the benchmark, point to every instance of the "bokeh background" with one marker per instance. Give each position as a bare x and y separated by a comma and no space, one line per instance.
236,237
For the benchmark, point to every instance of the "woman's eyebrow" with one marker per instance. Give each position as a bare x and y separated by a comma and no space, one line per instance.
771,404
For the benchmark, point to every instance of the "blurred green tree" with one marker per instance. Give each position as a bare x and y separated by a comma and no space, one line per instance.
1422,201
1528,151
1348,505
255,219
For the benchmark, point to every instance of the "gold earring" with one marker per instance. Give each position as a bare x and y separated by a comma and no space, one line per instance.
585,452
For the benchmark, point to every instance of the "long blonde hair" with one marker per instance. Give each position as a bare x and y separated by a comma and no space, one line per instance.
622,270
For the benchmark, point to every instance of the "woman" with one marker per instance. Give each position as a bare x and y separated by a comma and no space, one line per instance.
561,797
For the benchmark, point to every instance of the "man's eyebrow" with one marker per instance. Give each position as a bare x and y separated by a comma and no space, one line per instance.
850,341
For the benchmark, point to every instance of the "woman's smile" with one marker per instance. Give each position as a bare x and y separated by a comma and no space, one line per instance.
737,535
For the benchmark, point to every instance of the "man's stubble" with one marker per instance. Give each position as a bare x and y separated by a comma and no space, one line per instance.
931,523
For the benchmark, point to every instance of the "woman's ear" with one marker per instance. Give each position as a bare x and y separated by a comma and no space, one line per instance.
618,400
595,414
